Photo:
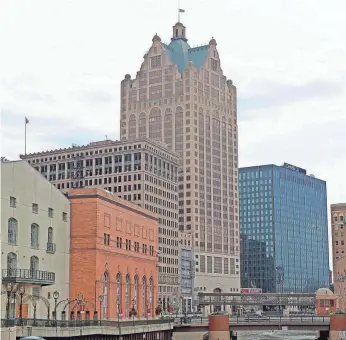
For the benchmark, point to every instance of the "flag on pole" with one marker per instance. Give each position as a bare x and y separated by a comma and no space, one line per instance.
26,121
181,10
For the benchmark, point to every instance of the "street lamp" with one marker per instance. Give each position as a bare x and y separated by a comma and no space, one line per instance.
146,309
118,312
133,311
9,289
100,300
56,297
21,292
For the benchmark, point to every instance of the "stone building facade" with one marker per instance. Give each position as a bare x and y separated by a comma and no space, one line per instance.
114,254
338,225
180,96
141,171
35,233
340,282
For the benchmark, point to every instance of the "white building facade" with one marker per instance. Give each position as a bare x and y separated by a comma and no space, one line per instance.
181,97
35,242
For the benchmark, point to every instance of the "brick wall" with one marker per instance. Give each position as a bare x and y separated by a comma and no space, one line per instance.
98,222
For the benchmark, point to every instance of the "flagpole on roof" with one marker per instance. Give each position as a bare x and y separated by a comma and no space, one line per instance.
26,123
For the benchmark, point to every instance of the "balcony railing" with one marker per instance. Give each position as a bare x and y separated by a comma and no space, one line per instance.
41,277
51,247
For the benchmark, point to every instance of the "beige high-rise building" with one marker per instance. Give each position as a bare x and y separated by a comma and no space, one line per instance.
141,171
180,96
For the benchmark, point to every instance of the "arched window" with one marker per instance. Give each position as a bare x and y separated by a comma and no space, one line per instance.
132,127
34,263
144,295
135,293
11,264
179,129
142,125
118,294
12,231
127,295
50,235
151,293
168,128
155,124
34,235
105,294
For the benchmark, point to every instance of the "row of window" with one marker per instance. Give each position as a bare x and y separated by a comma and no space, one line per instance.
12,232
135,246
131,296
81,154
35,209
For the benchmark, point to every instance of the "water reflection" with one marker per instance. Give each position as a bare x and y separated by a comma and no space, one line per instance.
276,335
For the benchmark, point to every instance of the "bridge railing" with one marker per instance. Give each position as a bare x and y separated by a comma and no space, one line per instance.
259,319
81,323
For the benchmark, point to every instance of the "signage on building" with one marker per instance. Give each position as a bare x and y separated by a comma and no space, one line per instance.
294,168
251,290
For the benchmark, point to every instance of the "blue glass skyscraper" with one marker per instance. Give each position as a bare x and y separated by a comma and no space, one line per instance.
284,229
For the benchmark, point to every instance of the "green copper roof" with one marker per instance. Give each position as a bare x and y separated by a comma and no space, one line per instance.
180,53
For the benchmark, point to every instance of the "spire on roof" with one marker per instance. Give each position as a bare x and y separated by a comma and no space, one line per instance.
156,38
179,31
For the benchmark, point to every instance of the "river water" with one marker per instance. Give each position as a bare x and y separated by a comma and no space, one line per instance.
279,335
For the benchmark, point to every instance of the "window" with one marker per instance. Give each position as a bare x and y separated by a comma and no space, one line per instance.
156,61
105,295
12,231
34,235
11,264
135,293
64,217
34,263
106,239
50,235
35,208
13,202
144,295
50,212
214,64
127,295
151,295
118,295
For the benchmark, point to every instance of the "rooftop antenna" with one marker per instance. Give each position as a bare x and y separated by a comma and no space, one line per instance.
180,10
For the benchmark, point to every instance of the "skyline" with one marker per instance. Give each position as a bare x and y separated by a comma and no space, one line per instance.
62,77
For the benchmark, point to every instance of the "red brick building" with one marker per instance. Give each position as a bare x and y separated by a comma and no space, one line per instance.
340,282
114,254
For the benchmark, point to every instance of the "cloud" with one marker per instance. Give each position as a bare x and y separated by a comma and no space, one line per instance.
65,61
268,93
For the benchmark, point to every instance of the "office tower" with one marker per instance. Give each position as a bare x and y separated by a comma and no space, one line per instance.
141,171
338,225
284,229
35,257
181,97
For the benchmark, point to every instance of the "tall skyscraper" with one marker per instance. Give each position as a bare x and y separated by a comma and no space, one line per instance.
284,229
180,96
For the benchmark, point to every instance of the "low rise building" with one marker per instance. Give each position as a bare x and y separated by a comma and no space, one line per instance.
114,255
340,282
35,228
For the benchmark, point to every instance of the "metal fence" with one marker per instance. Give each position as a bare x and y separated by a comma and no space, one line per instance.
81,323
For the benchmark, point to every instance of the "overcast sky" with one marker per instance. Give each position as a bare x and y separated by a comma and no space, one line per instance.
62,63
